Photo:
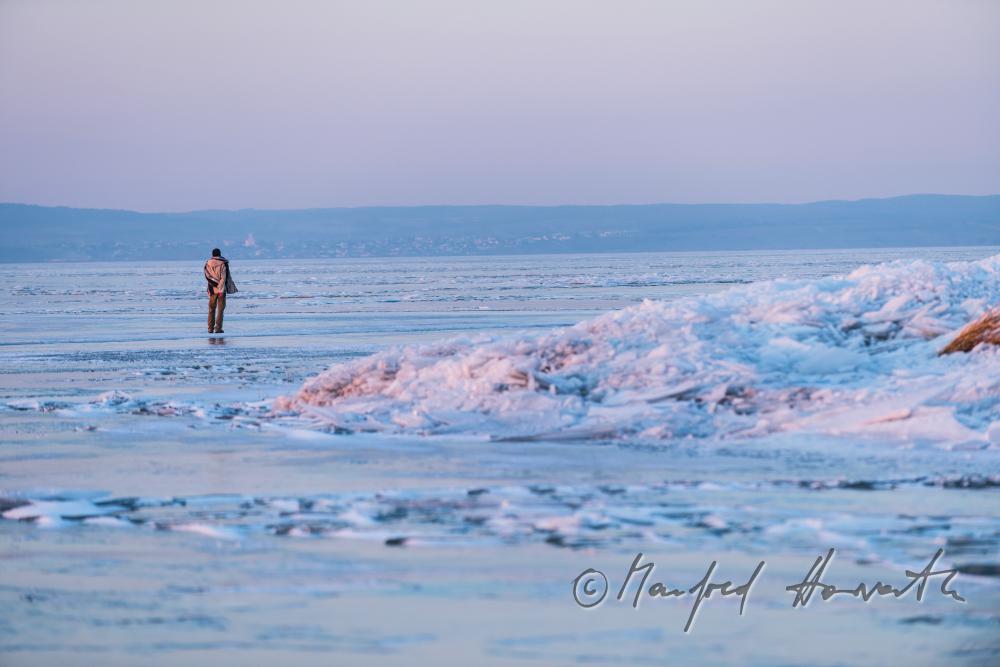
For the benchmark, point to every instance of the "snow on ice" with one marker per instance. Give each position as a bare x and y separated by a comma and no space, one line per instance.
853,354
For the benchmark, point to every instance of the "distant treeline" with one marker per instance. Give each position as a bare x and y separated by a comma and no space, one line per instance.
38,233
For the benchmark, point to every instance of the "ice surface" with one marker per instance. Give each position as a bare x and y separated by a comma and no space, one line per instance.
720,516
847,354
152,503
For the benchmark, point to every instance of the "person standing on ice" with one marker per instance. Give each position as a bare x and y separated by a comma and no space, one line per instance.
220,283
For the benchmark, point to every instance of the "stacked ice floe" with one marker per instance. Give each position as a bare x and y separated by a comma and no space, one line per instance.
845,354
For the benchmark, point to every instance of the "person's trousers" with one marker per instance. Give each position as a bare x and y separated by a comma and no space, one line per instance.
216,306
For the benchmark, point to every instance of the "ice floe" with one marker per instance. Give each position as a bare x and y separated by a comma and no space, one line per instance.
846,355
727,515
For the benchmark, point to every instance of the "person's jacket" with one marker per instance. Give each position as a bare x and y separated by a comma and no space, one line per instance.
218,277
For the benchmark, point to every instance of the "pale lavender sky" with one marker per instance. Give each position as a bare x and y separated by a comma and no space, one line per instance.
179,105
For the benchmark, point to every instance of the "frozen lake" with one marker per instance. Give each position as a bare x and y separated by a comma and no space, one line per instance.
157,511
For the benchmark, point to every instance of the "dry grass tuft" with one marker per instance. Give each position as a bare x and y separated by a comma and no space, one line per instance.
984,330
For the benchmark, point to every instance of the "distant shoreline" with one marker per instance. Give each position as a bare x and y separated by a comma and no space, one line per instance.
391,207
45,234
498,256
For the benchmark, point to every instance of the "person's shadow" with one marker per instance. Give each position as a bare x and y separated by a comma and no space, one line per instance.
216,341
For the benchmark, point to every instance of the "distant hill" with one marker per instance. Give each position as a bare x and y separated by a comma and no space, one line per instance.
37,233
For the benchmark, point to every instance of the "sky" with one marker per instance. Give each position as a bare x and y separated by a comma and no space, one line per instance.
179,105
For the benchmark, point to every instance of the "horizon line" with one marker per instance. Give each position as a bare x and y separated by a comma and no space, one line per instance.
565,205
